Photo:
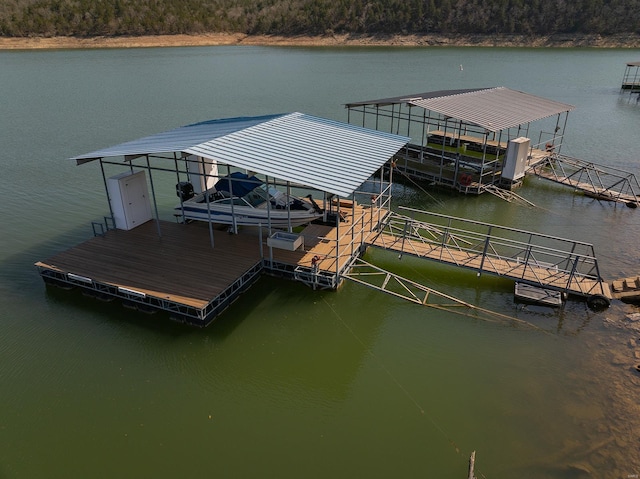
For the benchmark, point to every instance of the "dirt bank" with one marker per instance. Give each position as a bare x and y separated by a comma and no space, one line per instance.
559,41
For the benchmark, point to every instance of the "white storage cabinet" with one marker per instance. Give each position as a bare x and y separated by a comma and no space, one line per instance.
129,198
515,163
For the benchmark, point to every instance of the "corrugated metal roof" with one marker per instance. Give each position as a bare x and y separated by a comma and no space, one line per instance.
177,139
324,154
494,109
408,98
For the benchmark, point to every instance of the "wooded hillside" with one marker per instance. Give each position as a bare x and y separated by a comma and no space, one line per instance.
87,18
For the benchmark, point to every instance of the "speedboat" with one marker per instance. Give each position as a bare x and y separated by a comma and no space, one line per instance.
240,200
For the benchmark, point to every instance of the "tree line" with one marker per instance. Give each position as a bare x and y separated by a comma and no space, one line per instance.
87,18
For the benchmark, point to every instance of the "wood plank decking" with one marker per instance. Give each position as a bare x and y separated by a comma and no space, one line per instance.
332,249
180,272
179,266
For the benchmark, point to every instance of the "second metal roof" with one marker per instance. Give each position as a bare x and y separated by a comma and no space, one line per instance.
494,109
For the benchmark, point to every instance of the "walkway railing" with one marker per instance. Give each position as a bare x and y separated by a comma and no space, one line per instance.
325,264
601,182
533,258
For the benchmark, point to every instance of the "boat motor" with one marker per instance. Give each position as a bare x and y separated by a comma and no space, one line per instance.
184,190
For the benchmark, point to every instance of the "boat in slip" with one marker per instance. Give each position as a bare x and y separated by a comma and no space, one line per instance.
242,200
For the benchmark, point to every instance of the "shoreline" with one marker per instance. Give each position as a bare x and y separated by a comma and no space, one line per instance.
346,40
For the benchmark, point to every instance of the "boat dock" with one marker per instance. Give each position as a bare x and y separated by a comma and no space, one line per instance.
181,273
468,139
481,140
631,78
195,270
194,285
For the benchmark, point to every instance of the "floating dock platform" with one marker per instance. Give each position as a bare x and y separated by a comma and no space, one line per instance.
181,273
526,293
177,272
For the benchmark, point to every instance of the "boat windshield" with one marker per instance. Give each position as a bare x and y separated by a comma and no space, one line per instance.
256,197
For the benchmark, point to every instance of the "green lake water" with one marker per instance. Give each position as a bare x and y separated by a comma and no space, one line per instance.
291,382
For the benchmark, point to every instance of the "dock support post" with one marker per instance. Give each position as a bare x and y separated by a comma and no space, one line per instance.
153,193
472,465
404,236
484,252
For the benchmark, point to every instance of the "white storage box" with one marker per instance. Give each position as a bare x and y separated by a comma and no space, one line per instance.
283,240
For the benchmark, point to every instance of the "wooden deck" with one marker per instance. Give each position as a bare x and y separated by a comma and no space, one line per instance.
180,272
179,266
332,249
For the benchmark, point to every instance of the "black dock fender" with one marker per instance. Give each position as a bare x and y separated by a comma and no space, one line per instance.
598,302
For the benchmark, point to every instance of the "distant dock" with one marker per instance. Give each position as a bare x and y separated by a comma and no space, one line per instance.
631,77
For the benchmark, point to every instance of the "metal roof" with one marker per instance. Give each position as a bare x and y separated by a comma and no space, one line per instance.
494,109
408,98
178,139
324,154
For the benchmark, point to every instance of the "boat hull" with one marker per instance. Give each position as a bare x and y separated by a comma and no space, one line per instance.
246,216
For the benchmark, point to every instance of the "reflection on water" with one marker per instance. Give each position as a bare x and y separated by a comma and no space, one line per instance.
289,380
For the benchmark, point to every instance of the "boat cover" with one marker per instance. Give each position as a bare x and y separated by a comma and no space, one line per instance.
242,183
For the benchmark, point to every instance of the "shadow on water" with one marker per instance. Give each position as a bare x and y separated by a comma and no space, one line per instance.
160,322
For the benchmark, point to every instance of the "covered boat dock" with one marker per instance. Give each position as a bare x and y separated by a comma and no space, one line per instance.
488,139
194,270
154,260
468,139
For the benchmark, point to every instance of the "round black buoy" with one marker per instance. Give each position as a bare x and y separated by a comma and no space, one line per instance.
632,204
598,302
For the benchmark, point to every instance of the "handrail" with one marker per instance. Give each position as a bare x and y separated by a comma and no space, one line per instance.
465,220
613,184
499,240
527,257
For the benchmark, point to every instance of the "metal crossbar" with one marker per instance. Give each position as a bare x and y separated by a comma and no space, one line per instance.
379,279
507,195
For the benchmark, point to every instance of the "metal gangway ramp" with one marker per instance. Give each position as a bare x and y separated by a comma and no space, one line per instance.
598,181
379,279
527,257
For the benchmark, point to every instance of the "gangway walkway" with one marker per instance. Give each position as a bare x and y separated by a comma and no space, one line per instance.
601,182
532,258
